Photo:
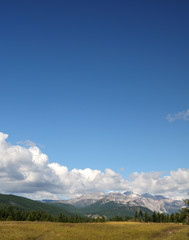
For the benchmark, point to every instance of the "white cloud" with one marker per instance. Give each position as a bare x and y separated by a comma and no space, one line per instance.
27,171
176,185
178,116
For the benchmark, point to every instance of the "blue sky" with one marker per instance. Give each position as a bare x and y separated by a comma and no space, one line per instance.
92,82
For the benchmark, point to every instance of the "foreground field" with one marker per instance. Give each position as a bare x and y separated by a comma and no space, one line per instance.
92,231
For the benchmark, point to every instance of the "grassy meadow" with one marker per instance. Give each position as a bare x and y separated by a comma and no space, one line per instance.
92,231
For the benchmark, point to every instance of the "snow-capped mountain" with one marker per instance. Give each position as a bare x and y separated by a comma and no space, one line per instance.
156,203
85,200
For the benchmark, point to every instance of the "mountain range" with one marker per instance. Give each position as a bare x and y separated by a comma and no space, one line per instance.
121,203
98,204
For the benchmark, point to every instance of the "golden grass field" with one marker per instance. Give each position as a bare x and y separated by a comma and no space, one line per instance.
92,231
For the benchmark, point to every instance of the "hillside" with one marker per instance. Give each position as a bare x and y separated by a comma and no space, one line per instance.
111,209
26,204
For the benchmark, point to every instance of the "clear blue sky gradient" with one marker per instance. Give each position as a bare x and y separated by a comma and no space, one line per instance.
93,81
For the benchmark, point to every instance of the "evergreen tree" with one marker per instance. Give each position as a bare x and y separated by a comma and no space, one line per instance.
184,213
162,217
171,218
136,215
140,214
177,217
154,217
127,218
146,217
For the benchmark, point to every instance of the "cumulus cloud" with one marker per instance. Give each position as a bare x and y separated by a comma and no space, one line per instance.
178,116
27,171
175,185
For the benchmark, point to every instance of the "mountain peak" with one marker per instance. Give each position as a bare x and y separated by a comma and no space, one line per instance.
155,197
127,193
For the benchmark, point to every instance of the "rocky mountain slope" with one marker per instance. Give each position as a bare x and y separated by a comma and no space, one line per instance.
156,203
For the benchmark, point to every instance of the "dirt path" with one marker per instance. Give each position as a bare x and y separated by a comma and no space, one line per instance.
168,233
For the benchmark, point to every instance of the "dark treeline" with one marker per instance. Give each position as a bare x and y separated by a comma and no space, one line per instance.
118,218
10,214
154,217
157,217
